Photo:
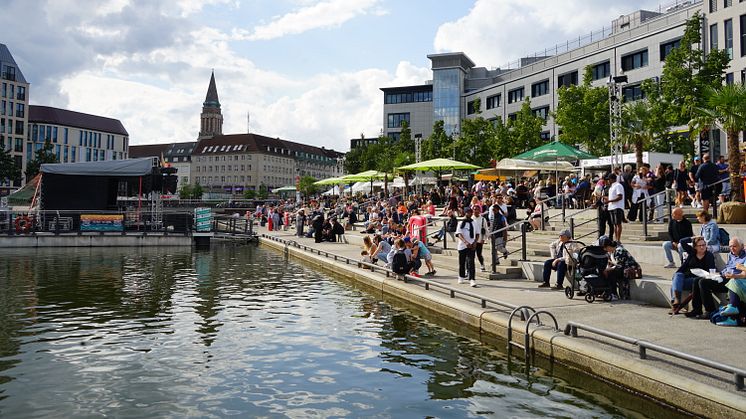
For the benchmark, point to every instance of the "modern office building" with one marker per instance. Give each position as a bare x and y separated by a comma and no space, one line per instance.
75,136
635,46
14,99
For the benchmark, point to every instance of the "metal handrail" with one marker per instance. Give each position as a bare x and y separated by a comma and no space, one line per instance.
428,283
571,329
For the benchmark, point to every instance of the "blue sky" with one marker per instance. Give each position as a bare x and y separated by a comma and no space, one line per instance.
306,70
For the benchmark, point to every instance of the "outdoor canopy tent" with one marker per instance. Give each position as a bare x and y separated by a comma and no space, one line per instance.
521,165
96,185
438,164
284,189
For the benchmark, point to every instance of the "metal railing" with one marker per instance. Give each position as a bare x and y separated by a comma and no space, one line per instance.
233,225
571,329
79,222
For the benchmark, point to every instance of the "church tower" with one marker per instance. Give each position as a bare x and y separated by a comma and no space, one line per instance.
211,119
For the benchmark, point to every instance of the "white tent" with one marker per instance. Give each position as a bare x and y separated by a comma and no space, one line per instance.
333,191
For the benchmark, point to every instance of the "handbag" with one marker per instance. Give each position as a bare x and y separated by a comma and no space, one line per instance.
633,272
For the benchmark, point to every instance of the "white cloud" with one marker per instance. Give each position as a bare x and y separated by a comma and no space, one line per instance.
495,32
325,14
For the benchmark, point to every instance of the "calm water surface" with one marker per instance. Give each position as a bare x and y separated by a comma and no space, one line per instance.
240,331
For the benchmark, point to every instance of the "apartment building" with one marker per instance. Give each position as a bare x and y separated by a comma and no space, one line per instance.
14,99
75,136
635,45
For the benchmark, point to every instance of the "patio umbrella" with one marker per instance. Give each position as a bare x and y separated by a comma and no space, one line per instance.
555,151
284,189
330,181
367,176
439,164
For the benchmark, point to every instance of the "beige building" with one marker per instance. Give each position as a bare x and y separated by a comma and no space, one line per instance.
14,98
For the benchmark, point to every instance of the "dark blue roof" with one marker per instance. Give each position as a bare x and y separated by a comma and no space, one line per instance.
6,58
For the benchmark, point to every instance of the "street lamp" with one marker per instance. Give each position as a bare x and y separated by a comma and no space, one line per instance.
615,118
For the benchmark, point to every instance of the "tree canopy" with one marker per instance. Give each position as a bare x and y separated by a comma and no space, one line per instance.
41,156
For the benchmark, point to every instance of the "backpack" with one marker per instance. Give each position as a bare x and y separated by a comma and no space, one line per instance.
723,237
399,265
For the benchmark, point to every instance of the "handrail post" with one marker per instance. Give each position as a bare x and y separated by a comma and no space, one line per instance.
572,227
493,253
523,242
644,216
714,202
445,235
669,204
564,205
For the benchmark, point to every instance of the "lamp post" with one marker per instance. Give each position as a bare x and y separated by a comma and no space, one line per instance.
417,154
615,118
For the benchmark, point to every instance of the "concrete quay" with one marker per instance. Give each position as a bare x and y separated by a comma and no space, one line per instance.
95,240
687,386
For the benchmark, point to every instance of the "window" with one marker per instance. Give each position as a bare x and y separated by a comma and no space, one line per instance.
9,73
20,110
19,127
542,112
667,47
471,107
728,28
727,3
729,78
742,28
21,95
515,95
513,116
494,101
395,119
54,134
632,93
567,80
73,153
545,135
713,5
635,60
540,89
713,36
65,136
19,145
4,92
601,71
408,97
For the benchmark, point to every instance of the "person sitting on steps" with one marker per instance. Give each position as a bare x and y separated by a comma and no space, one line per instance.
678,229
683,280
558,250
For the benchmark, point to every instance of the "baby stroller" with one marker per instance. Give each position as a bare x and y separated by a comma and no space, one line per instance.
587,276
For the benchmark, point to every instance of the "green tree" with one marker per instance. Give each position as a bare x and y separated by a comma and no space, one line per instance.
437,145
725,107
263,191
8,168
41,156
186,191
583,114
640,126
526,128
306,185
249,194
406,143
504,145
197,191
688,73
476,144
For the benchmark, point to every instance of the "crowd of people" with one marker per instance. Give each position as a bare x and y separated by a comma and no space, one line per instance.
400,229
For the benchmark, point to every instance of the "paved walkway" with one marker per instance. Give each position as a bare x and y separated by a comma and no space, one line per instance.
629,318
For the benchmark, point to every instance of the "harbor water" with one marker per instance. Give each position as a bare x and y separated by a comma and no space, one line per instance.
244,332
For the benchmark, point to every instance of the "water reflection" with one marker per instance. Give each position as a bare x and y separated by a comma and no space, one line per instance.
238,331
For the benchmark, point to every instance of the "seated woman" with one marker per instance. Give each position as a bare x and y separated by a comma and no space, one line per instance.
709,231
697,257
619,262
381,249
535,216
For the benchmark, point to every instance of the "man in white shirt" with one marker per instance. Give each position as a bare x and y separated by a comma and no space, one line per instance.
615,200
467,235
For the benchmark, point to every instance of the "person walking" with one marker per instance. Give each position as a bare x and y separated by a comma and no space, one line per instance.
300,222
482,226
707,175
615,202
467,235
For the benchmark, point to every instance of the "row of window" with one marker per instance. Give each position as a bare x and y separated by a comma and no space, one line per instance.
6,126
6,108
9,73
10,145
408,97
728,33
223,168
10,91
208,180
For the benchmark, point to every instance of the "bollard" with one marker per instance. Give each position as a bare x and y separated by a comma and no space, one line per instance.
669,203
543,227
493,252
564,205
445,235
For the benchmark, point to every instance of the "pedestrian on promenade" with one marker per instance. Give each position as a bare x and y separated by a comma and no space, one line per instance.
678,228
724,188
467,235
615,202
640,188
707,175
693,181
483,227
681,183
300,222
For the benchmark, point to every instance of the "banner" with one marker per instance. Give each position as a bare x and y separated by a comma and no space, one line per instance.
203,219
101,222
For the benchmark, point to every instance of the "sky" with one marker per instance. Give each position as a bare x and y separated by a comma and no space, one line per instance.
308,71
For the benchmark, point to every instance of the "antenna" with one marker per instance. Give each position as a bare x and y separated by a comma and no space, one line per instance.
248,122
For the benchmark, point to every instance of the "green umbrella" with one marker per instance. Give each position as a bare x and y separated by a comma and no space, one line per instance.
330,181
284,189
554,151
439,164
368,175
